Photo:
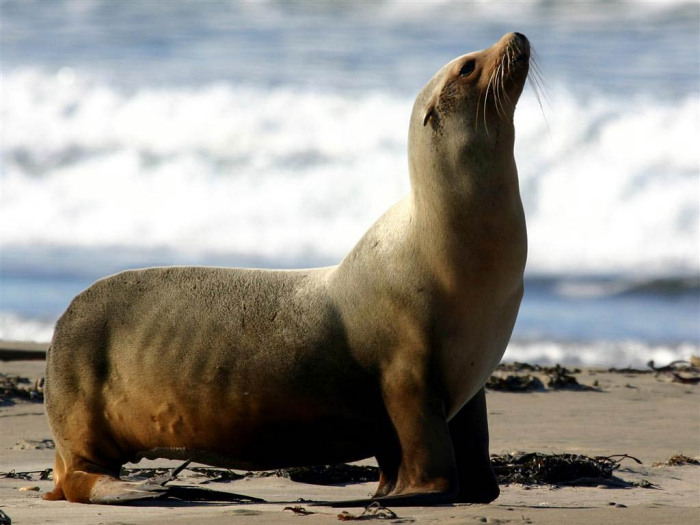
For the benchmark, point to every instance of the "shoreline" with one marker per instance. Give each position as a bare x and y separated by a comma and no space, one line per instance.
22,350
644,415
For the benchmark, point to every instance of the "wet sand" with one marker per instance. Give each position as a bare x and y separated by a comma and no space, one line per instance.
642,415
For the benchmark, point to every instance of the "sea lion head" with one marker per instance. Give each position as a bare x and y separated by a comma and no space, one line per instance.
469,104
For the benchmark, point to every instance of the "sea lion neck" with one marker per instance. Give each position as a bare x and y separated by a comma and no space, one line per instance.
452,180
461,134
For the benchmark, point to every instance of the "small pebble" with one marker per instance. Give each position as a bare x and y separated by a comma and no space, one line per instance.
620,506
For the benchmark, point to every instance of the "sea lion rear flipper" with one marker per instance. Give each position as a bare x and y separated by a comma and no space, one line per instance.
114,492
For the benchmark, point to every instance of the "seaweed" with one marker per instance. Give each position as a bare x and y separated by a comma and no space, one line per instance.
628,370
536,468
527,468
299,510
337,474
677,461
559,378
30,475
514,383
217,474
16,387
672,369
373,511
32,444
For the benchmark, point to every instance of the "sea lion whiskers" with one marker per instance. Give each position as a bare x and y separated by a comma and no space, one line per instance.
501,90
509,61
486,97
495,87
538,84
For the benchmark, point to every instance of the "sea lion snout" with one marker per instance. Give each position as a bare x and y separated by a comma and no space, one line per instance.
517,47
516,39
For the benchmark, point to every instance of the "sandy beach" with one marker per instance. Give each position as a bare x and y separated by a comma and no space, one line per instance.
644,415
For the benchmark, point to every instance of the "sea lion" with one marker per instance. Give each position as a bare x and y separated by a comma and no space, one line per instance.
384,355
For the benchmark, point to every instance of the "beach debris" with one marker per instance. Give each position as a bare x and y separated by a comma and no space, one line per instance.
216,474
562,378
671,367
525,468
628,370
514,383
337,474
16,387
644,484
167,477
672,370
32,475
677,461
373,511
29,488
299,510
30,444
558,377
140,474
535,468
677,378
515,366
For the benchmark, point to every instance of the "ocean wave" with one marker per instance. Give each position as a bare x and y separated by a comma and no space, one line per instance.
609,184
588,288
619,354
14,327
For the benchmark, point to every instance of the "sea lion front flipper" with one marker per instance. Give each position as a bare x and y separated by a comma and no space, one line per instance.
423,470
469,431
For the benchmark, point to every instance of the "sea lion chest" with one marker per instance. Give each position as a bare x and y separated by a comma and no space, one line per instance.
478,277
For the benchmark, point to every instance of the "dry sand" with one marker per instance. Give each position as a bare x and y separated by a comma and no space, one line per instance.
648,417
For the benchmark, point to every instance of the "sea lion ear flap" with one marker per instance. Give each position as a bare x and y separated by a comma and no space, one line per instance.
429,112
431,107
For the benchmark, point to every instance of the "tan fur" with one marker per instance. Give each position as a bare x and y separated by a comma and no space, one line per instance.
384,355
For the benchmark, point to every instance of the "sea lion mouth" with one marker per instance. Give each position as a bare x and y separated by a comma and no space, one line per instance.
517,50
521,59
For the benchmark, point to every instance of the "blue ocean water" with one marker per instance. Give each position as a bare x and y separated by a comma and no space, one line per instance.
273,134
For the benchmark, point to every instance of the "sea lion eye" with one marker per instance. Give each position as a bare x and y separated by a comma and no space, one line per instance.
467,68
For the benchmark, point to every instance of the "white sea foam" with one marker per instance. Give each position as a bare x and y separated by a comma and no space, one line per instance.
609,184
620,354
14,327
